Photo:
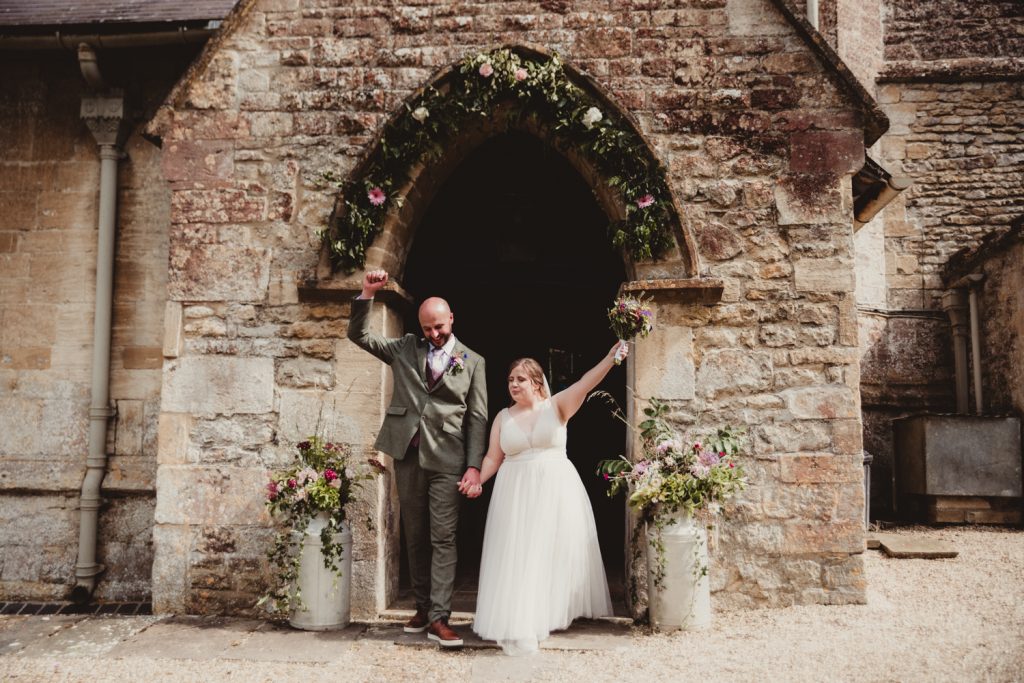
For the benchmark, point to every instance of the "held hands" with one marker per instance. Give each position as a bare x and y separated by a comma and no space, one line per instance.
373,280
470,485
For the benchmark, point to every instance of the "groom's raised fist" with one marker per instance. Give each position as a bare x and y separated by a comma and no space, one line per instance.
372,281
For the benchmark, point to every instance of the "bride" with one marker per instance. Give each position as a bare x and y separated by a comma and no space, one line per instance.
541,565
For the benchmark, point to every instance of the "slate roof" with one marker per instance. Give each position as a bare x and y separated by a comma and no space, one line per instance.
80,12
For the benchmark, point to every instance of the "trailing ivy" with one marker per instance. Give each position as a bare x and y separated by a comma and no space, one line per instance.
537,87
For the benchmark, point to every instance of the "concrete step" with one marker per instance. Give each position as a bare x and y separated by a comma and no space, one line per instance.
903,546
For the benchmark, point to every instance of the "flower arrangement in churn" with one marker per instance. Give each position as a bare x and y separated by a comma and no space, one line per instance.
630,317
675,476
322,482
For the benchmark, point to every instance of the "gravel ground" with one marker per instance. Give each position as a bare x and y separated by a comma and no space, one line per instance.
959,619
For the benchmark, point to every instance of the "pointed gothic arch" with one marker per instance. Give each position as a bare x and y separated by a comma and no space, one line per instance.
390,247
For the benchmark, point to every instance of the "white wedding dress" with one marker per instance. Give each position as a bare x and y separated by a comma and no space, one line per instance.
541,565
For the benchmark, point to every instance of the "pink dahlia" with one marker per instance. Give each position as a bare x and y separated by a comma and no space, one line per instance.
486,69
645,201
376,196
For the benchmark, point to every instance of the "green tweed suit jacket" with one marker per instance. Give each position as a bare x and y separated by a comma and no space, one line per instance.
451,417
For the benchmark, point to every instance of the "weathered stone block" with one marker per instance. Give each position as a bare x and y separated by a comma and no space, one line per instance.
207,386
809,198
216,272
664,362
210,495
835,152
823,275
823,537
820,468
734,371
171,546
825,402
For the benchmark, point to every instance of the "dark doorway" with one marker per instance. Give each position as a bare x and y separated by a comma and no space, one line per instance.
517,244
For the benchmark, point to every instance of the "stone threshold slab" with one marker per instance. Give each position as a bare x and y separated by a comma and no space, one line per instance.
913,547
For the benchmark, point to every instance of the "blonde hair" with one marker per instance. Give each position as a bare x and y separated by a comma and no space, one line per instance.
533,371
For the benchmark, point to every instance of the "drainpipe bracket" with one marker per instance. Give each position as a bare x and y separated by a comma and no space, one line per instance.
103,413
89,571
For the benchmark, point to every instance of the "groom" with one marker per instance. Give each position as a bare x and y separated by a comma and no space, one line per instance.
435,429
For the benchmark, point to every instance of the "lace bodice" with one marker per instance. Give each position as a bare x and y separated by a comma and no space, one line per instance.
548,431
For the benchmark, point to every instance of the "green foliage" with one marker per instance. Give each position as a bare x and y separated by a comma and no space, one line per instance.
537,87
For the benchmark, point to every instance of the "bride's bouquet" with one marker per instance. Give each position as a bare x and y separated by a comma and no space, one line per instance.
630,317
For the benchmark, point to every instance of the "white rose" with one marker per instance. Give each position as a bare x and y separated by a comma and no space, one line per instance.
592,116
420,114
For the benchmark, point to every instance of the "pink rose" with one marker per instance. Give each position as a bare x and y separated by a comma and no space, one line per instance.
486,69
520,74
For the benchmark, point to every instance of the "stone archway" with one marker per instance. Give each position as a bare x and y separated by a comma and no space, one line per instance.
389,249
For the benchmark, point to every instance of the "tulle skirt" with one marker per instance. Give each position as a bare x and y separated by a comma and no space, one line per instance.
541,564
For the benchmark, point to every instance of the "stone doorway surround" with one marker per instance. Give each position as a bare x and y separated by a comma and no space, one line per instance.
661,366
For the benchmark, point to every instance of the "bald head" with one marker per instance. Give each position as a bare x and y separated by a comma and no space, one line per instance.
436,320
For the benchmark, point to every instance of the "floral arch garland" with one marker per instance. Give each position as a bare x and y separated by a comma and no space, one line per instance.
538,83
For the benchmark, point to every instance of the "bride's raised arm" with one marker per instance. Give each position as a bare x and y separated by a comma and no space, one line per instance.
569,400
492,459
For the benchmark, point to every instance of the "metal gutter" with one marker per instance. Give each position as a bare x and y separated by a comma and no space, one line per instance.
59,41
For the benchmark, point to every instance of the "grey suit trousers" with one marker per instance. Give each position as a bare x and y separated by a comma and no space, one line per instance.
430,517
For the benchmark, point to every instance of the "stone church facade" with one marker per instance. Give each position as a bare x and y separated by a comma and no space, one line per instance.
772,312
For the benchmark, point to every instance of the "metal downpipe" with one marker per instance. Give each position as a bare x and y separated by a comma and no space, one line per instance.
86,568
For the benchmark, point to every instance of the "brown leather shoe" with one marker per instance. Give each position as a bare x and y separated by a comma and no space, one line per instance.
444,635
419,622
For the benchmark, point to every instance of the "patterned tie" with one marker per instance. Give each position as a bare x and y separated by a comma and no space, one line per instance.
432,376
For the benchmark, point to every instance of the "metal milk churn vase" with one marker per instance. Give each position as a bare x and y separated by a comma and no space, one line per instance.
683,601
326,603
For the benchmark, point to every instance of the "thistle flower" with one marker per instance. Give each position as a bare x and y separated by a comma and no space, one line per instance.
376,196
645,201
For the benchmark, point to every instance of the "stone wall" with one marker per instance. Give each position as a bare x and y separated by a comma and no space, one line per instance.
955,112
49,180
1000,259
953,29
759,144
963,145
